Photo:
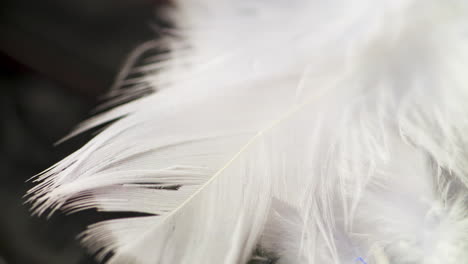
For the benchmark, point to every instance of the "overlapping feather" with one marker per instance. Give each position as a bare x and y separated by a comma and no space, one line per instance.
318,131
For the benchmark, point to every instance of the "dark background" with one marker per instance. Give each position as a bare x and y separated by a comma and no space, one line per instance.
57,58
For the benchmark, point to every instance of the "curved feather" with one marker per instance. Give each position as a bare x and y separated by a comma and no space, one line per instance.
325,130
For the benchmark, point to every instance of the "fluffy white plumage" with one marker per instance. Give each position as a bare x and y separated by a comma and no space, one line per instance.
318,131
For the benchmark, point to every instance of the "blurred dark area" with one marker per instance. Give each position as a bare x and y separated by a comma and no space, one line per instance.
57,58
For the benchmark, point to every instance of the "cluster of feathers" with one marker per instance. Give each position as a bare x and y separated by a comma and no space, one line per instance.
285,131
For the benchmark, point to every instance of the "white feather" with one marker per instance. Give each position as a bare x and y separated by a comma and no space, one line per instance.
326,131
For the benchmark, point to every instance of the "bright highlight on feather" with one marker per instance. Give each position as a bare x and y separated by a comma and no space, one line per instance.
286,132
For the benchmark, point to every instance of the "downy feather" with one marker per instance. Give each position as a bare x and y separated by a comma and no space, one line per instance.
317,131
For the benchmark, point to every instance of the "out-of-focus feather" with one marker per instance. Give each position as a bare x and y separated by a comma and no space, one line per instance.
324,131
